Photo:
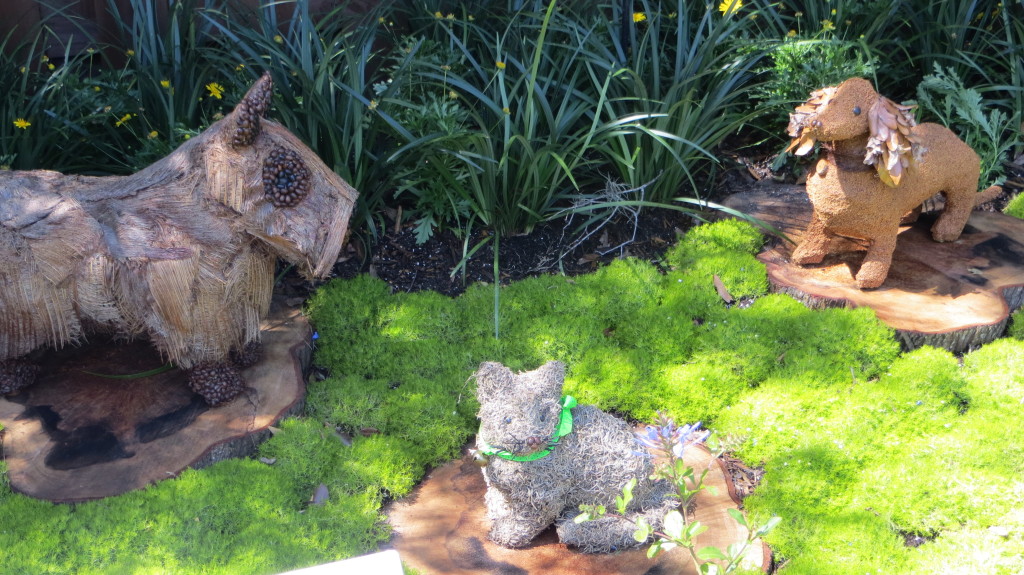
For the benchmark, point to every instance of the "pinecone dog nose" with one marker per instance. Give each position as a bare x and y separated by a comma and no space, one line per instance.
534,442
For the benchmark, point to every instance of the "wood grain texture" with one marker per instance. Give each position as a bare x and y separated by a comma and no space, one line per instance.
957,295
441,528
75,436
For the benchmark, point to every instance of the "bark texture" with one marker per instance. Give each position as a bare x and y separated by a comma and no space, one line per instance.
182,252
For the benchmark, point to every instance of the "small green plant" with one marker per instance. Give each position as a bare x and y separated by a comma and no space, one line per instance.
668,442
799,66
1016,207
991,134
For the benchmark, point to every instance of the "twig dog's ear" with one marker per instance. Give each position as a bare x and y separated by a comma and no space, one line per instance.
551,377
250,110
492,381
891,147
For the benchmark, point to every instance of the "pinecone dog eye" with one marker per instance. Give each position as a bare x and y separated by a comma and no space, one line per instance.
285,178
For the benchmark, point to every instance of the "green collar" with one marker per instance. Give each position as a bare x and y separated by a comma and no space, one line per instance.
563,428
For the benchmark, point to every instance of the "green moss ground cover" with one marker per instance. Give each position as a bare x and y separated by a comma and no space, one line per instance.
861,444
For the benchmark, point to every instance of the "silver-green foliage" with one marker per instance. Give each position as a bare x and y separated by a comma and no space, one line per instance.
989,130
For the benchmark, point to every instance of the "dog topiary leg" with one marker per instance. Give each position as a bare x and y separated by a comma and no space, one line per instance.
218,383
954,217
814,245
515,525
876,263
248,356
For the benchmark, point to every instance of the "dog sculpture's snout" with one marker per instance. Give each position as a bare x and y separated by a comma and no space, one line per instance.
816,124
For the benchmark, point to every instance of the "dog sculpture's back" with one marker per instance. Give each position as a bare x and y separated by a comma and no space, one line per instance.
519,415
182,252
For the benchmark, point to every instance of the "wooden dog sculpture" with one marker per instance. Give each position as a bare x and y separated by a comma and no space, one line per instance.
545,456
879,165
183,251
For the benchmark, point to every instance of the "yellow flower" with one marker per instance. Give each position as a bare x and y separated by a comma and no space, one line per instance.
791,33
500,65
50,66
165,83
453,94
438,15
728,7
153,135
278,39
380,20
129,53
506,110
22,123
827,26
450,16
215,89
471,18
239,67
799,14
96,88
22,69
123,119
639,17
44,58
373,105
833,11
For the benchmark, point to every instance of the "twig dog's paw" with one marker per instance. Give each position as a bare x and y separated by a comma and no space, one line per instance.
248,356
218,383
16,374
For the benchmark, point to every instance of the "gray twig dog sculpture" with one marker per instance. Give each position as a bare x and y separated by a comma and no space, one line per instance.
536,478
182,252
879,167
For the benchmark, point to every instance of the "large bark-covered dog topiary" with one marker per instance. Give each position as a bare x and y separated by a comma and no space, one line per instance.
182,252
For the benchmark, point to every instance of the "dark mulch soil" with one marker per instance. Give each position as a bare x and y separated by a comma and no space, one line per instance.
552,247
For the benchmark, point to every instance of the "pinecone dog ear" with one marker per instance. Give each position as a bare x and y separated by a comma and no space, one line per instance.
249,111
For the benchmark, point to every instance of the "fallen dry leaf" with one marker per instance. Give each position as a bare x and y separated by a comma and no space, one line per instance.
722,292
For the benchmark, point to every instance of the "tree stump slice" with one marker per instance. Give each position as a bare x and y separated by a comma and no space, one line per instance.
441,528
74,436
956,295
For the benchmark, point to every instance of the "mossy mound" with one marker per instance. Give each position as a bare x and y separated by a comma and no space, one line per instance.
861,445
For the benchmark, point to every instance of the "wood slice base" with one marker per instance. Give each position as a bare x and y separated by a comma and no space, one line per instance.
957,295
441,528
74,436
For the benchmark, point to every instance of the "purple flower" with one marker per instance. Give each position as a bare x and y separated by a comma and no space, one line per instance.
689,435
667,439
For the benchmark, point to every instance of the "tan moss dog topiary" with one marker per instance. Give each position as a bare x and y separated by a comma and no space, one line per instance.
182,252
879,166
545,457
